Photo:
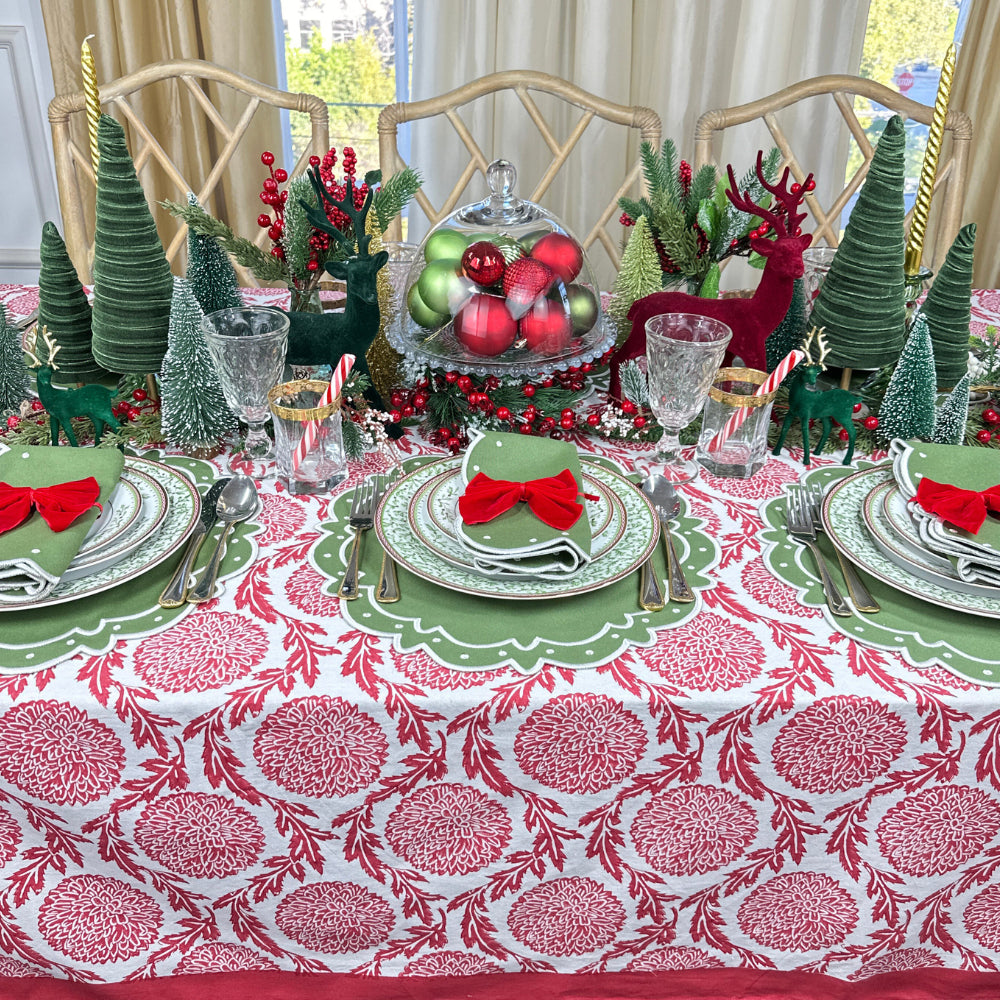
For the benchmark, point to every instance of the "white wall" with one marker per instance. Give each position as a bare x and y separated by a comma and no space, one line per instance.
27,174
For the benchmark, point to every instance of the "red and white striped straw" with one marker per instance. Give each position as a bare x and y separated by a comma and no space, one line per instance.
787,363
330,393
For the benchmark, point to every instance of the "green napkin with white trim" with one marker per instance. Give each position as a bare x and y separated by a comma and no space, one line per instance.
32,556
518,544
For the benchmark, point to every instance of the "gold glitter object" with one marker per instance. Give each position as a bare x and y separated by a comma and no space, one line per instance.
925,189
383,361
93,98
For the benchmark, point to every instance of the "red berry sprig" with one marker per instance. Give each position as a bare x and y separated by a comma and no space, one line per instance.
275,199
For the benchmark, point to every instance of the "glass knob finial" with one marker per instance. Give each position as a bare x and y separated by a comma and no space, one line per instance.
501,176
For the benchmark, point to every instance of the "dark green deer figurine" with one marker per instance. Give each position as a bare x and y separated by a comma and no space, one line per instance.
62,405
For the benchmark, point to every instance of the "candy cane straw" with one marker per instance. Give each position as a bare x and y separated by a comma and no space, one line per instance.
330,393
787,363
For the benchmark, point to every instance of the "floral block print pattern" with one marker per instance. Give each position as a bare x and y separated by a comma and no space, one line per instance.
263,786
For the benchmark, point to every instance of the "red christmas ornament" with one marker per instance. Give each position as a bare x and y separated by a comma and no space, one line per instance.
990,416
484,326
983,436
546,327
561,253
524,281
871,423
483,263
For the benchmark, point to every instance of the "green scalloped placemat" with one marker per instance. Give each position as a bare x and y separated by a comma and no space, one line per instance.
923,633
475,633
34,640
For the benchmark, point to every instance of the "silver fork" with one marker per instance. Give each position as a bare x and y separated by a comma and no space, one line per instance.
361,518
861,598
801,529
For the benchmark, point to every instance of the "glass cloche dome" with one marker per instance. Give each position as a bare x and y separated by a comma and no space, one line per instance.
500,287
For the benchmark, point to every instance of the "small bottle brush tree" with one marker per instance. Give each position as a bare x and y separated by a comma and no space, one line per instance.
132,280
907,409
862,304
14,379
195,414
639,274
948,308
788,334
211,273
953,414
64,311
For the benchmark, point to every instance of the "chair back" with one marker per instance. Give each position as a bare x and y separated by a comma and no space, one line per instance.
74,171
952,171
522,83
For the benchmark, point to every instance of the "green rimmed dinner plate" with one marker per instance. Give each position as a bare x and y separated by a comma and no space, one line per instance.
843,514
416,541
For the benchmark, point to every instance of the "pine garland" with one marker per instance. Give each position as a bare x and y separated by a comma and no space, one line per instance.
394,195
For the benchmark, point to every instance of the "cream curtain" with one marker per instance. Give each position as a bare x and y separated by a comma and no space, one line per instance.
679,57
130,34
977,83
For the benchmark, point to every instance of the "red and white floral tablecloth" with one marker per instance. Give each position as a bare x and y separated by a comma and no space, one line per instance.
262,787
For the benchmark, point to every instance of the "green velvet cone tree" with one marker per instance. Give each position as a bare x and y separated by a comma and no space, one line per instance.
953,414
862,304
14,379
948,308
787,335
64,310
907,409
210,271
132,280
194,412
638,276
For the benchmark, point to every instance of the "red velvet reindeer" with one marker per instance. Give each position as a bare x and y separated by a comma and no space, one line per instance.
751,320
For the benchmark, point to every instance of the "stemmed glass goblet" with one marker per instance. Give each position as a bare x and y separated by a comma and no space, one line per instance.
683,353
248,346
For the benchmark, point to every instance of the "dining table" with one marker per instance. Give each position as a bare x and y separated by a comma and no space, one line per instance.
286,792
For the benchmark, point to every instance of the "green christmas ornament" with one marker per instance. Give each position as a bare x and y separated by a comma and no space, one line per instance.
14,379
953,414
862,304
507,245
529,240
421,312
63,309
788,334
132,280
445,244
194,412
948,308
211,273
438,283
582,308
908,406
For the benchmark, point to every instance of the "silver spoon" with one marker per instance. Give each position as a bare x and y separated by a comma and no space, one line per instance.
664,498
237,502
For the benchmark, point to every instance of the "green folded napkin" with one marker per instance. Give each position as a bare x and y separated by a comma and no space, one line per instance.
32,556
976,557
517,543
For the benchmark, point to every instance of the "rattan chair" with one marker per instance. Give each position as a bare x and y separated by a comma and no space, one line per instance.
522,82
952,169
73,165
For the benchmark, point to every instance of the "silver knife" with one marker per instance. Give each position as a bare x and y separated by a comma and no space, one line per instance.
175,592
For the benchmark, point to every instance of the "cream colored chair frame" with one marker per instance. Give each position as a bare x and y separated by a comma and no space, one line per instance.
73,163
521,82
951,175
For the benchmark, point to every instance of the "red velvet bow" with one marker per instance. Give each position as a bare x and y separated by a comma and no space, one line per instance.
59,505
552,500
963,508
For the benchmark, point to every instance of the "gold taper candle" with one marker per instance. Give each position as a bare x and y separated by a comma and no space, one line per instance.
925,189
93,98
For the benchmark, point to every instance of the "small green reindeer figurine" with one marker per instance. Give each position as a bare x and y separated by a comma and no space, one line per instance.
806,402
62,405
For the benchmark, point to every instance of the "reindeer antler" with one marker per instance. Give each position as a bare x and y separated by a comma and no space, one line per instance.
52,349
317,216
783,226
816,333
